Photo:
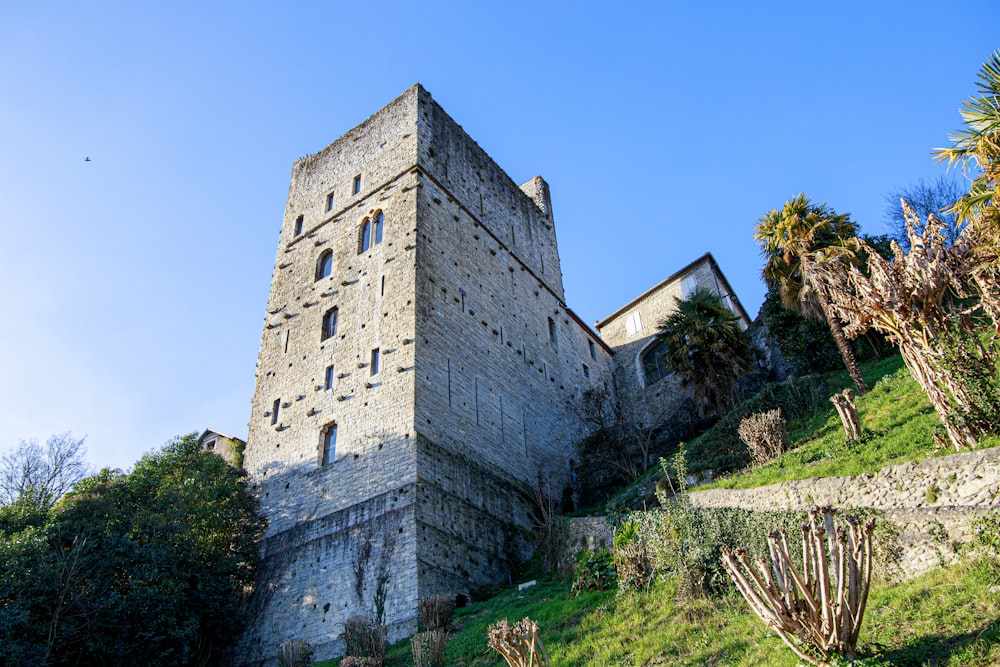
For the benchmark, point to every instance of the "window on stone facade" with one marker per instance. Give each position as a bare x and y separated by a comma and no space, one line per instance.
328,444
633,324
324,265
329,202
298,225
552,332
365,240
274,411
586,371
654,363
210,445
357,184
689,285
377,231
375,362
329,328
593,350
328,378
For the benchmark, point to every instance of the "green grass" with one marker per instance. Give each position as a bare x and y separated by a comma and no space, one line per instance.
948,617
898,423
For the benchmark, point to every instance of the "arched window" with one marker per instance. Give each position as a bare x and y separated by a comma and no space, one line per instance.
329,329
328,444
379,220
324,265
654,363
366,236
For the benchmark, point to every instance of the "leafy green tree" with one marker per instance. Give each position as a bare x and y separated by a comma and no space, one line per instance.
704,345
141,568
794,240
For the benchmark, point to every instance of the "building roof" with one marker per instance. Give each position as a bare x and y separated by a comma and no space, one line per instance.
707,257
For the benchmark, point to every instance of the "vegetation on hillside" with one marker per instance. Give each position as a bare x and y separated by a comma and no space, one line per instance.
147,567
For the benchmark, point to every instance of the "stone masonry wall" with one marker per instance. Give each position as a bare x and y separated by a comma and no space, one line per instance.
933,502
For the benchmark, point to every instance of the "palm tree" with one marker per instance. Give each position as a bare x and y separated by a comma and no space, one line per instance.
705,347
794,240
978,146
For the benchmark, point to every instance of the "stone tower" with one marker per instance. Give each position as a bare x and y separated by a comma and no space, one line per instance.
416,382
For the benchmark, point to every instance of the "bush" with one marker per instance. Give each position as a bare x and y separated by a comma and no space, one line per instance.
295,653
428,648
595,570
436,610
765,435
364,639
720,448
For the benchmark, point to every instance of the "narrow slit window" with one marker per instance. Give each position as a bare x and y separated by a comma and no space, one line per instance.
357,184
552,332
382,292
586,371
328,378
274,411
593,350
329,202
329,328
329,445
375,362
298,225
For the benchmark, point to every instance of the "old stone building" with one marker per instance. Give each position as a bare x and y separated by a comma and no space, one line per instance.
418,378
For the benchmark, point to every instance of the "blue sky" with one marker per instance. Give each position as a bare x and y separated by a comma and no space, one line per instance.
134,286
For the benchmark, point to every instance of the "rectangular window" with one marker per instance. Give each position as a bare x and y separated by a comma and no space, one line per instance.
329,453
357,184
586,371
633,324
298,225
274,411
328,381
689,285
375,360
593,350
552,332
329,202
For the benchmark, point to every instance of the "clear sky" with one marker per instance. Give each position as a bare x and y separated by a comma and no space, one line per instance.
133,286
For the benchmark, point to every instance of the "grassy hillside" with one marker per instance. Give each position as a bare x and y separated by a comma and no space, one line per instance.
947,617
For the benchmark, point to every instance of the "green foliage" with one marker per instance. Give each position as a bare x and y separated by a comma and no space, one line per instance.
705,347
720,448
595,570
805,343
144,568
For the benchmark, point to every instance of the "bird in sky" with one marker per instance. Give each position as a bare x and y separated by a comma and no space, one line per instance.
86,159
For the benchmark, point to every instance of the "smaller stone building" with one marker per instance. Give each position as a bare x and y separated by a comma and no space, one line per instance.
227,446
639,372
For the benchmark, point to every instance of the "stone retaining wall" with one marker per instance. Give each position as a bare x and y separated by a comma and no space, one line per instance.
932,504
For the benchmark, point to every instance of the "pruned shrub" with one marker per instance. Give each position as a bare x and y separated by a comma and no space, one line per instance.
355,661
364,638
295,653
720,449
519,644
634,566
765,435
428,648
435,611
821,601
595,570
